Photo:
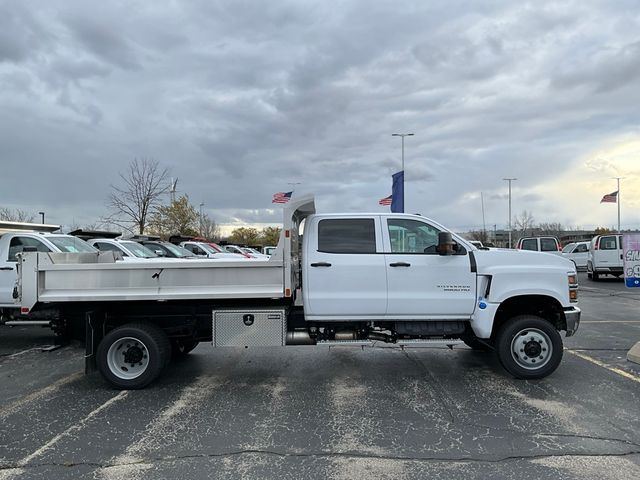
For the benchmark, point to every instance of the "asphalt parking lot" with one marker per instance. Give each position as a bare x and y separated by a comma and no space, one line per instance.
305,412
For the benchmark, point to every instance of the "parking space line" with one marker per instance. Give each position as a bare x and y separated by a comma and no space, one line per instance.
604,365
13,407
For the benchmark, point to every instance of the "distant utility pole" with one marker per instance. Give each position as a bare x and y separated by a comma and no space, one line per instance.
201,217
484,224
509,180
42,214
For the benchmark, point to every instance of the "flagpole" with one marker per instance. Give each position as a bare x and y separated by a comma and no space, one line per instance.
618,179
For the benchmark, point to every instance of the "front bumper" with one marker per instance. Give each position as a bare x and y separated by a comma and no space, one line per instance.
572,316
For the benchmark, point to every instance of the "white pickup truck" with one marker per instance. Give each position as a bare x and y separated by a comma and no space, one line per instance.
15,238
351,279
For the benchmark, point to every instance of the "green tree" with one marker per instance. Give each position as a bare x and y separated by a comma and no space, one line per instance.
245,236
179,217
270,236
602,231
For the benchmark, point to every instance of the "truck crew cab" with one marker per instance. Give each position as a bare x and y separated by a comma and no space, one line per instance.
350,279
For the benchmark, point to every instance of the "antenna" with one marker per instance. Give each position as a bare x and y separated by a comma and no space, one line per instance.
172,190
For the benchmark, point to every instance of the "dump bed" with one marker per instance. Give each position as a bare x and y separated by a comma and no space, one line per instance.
98,277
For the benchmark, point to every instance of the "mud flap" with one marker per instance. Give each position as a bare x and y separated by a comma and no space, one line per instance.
94,324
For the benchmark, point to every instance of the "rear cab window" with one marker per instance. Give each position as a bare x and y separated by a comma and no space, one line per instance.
529,244
548,245
347,235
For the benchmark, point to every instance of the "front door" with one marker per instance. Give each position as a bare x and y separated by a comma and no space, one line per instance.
344,274
420,282
8,272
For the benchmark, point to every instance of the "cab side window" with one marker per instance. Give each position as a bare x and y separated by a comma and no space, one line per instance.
580,249
18,243
412,236
347,235
108,247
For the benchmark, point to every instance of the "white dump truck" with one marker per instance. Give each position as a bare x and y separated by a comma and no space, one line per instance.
339,279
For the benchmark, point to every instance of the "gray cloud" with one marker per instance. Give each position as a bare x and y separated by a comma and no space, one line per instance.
239,99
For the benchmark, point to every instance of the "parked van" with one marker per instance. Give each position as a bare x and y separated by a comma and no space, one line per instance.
540,244
605,256
577,252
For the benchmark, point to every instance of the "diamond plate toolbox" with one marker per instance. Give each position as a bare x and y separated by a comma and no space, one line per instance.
249,328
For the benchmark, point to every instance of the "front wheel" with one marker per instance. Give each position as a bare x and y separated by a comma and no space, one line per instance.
132,356
529,347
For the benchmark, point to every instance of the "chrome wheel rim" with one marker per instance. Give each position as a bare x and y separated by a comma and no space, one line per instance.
531,348
128,358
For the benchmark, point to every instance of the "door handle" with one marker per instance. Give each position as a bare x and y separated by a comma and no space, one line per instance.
321,264
6,268
400,264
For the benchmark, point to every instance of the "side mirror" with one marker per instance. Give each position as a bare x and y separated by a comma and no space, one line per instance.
160,253
446,245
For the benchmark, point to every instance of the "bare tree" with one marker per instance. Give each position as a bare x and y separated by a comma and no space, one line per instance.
16,215
143,185
554,229
523,222
210,229
480,235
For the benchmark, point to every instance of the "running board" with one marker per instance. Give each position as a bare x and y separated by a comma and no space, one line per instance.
15,323
430,341
346,343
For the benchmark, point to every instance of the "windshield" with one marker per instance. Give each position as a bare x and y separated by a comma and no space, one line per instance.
207,248
567,248
216,247
139,250
71,244
177,251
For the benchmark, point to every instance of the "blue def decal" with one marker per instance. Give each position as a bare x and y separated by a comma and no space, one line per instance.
482,305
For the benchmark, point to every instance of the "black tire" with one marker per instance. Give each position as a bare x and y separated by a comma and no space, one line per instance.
589,271
475,344
537,355
595,276
132,356
181,347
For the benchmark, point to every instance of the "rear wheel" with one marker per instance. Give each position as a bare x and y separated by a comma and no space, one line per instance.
529,347
595,276
132,356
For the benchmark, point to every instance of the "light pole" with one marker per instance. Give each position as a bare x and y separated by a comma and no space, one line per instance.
509,180
402,135
201,217
42,214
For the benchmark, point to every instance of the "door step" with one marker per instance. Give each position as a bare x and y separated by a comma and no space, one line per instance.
449,342
346,343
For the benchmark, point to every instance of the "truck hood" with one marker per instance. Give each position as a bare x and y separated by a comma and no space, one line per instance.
520,259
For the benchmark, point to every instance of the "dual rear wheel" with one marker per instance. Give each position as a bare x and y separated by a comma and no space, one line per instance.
132,356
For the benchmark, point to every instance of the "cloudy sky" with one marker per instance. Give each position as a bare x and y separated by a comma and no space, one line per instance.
239,98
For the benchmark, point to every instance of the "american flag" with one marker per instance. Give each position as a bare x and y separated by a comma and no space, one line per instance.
385,200
610,198
281,197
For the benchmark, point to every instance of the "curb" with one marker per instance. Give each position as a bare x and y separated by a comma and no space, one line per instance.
634,354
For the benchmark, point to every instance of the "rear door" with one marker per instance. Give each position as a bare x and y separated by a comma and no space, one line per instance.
608,253
420,282
344,269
